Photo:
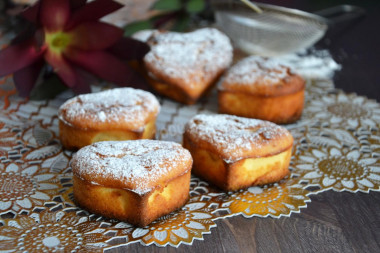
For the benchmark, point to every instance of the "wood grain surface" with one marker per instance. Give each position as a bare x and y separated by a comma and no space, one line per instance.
333,221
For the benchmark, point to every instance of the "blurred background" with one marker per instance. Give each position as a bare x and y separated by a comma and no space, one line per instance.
355,45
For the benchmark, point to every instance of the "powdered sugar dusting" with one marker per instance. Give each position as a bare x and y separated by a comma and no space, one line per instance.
136,163
257,69
312,63
123,104
192,56
233,136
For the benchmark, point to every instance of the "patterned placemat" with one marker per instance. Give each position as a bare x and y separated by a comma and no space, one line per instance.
337,147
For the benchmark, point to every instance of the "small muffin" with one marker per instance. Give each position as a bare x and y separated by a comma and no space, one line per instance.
183,66
117,114
234,153
261,88
135,181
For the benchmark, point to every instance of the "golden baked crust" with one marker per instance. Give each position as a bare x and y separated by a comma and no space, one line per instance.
183,66
279,109
117,114
234,153
136,181
74,138
177,93
126,205
258,87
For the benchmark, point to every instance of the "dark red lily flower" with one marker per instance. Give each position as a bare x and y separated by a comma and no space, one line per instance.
68,35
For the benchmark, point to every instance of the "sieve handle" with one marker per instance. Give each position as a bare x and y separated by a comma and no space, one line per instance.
341,13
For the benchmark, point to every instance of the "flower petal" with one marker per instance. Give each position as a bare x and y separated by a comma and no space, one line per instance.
26,78
201,216
5,205
181,232
54,14
62,68
40,195
83,82
374,177
374,168
305,166
365,182
353,155
312,174
139,232
75,4
129,49
255,190
93,11
353,123
43,177
160,235
318,153
335,119
95,35
30,170
308,159
368,161
104,65
18,56
328,181
47,186
31,13
342,98
195,225
25,203
195,206
12,168
335,152
26,34
348,184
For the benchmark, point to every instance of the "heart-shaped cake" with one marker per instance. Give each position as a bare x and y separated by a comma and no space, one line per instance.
235,153
135,181
183,65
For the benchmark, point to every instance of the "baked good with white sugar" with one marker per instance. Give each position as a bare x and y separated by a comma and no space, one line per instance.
262,88
183,66
135,181
233,152
116,114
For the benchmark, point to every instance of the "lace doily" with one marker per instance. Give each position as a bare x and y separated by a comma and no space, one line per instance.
337,147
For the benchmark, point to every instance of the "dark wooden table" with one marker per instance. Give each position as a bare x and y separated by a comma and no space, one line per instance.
333,221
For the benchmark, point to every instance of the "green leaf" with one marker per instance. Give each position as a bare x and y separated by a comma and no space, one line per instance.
194,6
181,24
49,88
131,28
167,5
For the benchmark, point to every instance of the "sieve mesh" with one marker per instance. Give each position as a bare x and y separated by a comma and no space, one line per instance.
275,31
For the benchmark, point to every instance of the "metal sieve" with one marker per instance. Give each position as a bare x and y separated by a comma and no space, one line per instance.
275,31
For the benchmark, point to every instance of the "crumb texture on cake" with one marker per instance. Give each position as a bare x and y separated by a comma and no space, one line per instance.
234,138
122,108
187,59
261,76
139,165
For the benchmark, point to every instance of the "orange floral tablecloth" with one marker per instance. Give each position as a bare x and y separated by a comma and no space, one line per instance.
337,147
